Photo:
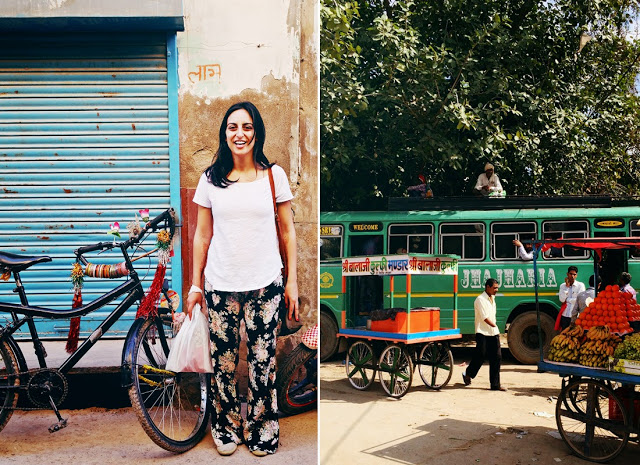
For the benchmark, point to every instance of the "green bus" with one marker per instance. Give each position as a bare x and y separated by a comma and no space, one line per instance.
481,232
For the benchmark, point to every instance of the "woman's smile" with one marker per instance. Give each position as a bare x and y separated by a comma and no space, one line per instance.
240,133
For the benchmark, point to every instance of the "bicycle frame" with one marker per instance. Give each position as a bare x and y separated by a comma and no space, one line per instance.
132,288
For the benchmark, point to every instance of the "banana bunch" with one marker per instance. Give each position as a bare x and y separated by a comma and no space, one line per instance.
598,333
573,330
564,349
599,345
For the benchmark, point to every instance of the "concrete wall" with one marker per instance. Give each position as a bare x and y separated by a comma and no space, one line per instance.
265,52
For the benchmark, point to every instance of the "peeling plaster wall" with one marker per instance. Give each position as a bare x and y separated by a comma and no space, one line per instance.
265,52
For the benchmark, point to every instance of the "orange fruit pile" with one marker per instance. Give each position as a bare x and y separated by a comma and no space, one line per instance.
633,314
610,308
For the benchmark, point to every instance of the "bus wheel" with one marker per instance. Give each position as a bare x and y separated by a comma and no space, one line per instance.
328,336
523,337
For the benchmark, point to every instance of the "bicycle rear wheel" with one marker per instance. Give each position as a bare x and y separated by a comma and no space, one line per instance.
297,381
173,408
9,379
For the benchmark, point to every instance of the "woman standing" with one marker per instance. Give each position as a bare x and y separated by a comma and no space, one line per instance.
236,246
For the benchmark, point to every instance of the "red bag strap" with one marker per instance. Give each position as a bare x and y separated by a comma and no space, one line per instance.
283,250
273,197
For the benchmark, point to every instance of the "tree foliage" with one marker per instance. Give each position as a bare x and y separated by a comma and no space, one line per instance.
443,86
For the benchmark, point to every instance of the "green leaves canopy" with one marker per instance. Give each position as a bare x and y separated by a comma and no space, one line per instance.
441,87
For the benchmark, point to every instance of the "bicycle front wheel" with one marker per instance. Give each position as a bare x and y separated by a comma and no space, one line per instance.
9,380
173,408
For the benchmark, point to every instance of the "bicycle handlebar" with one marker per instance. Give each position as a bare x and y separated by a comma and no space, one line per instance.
167,216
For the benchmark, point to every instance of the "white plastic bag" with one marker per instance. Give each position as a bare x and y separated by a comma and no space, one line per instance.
190,349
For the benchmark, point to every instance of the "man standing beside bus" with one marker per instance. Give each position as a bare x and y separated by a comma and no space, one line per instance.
625,284
584,299
487,337
568,295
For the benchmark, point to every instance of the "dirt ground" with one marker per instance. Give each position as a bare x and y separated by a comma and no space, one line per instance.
114,436
457,425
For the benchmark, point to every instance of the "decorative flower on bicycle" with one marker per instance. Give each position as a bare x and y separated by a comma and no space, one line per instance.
134,228
115,229
164,247
77,276
144,213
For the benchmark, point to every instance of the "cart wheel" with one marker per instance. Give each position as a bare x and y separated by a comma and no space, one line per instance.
592,420
396,371
360,365
570,398
435,364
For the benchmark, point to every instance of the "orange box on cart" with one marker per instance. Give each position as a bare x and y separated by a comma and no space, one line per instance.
419,320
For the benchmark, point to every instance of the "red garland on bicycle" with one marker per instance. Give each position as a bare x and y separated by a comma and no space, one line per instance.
149,305
77,279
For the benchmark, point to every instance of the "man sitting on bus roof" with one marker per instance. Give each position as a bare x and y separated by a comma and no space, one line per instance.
488,183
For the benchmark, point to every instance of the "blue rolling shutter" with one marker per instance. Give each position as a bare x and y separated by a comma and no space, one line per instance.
84,142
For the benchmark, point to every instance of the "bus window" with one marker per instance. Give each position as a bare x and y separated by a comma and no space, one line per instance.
410,238
634,229
464,239
330,242
503,235
566,230
366,245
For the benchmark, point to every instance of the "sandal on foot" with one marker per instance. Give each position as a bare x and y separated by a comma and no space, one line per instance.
227,449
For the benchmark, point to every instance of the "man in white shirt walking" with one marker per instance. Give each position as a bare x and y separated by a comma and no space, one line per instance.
568,294
487,337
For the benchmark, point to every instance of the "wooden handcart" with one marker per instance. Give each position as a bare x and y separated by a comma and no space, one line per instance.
393,348
598,410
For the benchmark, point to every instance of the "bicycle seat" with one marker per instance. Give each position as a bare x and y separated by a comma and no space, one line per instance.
14,262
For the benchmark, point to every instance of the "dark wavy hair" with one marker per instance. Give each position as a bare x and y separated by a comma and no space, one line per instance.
222,163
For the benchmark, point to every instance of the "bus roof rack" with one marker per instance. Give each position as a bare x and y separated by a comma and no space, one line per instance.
509,202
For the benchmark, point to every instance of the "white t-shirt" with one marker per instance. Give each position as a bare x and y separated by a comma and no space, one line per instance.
243,254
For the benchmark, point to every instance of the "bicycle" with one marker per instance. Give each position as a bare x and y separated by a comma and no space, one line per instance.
297,377
173,408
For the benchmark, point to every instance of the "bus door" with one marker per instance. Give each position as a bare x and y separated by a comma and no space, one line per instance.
614,261
366,292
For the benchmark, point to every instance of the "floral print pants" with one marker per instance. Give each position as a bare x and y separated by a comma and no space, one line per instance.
259,309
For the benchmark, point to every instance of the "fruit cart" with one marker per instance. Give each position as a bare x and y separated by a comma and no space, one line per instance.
598,408
411,337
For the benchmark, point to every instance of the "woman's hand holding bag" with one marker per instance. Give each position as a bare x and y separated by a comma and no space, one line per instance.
190,349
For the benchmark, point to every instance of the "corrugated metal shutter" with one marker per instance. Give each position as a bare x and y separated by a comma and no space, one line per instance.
84,142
